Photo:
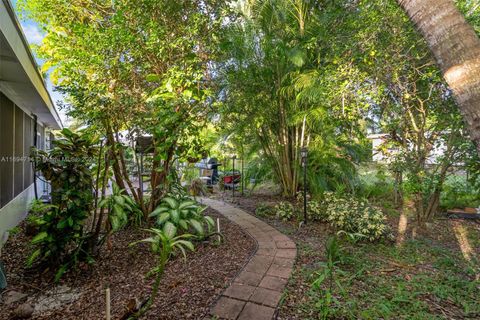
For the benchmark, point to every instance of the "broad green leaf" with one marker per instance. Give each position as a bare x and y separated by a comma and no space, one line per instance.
197,226
39,237
128,200
183,224
103,203
171,202
60,272
210,221
162,218
175,214
187,244
33,257
157,211
186,204
119,200
169,230
115,223
118,210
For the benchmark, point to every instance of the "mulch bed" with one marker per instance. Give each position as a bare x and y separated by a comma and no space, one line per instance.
188,289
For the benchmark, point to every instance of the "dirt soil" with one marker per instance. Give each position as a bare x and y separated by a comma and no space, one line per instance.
188,289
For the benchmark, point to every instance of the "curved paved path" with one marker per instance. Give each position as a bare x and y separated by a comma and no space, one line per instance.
256,291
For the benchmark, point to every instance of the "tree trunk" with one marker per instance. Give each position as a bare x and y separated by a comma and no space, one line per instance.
456,48
114,156
398,193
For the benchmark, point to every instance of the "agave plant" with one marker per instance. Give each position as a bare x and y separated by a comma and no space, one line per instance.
183,213
164,242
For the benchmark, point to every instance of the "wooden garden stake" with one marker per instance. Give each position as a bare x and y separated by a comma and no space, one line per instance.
107,300
218,229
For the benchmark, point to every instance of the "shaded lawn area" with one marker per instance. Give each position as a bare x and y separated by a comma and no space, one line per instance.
418,280
432,274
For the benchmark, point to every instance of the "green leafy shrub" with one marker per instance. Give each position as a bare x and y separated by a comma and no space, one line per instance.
185,214
60,239
315,211
264,210
458,192
121,208
375,185
35,213
284,210
354,216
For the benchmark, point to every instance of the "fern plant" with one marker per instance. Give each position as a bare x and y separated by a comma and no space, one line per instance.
183,213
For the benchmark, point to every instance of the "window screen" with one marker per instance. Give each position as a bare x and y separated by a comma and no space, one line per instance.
18,155
27,143
6,150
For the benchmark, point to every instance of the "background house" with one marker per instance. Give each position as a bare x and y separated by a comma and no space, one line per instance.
383,154
27,116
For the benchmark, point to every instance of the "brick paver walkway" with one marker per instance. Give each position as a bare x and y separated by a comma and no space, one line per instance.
256,291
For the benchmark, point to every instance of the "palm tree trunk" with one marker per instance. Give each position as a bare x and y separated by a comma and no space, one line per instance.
456,48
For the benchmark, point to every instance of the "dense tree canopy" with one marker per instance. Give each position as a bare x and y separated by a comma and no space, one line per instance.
272,75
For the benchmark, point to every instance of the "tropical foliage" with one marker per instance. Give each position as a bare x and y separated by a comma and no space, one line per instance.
120,208
61,239
184,214
353,216
158,86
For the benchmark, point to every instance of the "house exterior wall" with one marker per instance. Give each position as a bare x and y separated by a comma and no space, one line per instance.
23,97
378,147
16,173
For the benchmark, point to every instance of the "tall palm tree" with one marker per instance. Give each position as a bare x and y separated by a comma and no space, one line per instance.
456,48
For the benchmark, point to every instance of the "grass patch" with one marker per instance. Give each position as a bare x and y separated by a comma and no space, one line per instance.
418,280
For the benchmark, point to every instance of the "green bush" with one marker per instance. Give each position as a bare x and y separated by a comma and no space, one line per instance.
375,185
185,214
35,214
60,239
354,216
121,209
315,211
284,210
264,210
458,192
